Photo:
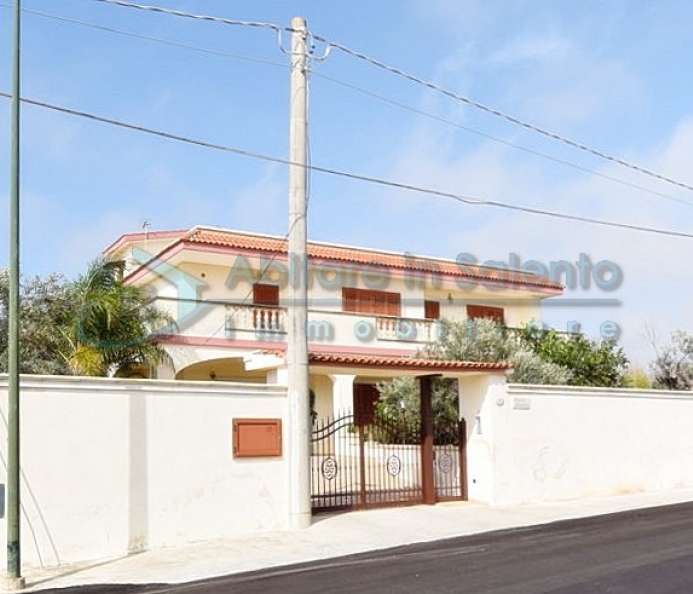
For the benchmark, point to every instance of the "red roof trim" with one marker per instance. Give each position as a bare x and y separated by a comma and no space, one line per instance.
326,252
224,240
408,363
142,236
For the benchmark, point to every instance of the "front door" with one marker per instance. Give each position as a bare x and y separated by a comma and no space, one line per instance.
365,401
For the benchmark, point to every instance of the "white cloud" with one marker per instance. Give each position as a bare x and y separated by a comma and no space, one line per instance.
655,268
461,18
549,47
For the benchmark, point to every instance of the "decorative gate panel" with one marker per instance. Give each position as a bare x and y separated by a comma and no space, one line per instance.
449,452
367,464
358,463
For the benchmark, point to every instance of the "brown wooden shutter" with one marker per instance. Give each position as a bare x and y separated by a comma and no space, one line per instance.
266,294
432,310
371,302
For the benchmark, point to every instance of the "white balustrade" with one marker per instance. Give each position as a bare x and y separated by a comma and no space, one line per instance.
255,318
405,329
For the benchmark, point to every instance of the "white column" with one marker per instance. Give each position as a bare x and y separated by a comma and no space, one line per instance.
278,376
342,394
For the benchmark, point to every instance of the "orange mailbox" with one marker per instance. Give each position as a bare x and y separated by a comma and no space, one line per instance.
254,438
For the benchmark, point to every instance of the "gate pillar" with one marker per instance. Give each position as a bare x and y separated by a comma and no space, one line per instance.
427,472
342,394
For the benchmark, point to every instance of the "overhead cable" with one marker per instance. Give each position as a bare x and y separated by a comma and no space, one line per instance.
160,40
355,176
496,112
412,78
199,17
499,140
358,89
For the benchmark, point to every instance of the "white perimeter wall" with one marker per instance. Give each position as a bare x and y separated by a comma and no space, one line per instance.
111,467
553,443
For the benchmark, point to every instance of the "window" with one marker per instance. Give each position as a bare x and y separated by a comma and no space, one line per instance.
266,319
266,294
486,311
372,302
432,310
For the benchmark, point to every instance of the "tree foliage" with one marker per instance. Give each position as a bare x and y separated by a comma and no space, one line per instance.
45,306
589,363
637,377
402,396
673,365
484,340
538,356
115,326
96,325
473,340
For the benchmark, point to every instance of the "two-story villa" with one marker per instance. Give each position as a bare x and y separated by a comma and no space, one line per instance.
228,291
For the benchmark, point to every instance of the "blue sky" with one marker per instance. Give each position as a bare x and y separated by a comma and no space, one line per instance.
614,75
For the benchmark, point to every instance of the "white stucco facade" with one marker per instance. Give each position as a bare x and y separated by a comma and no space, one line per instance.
206,279
111,467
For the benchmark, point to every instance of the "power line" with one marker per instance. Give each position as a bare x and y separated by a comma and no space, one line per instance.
361,90
499,140
356,176
496,112
147,37
199,17
412,78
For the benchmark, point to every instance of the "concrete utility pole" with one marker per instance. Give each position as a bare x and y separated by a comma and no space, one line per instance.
297,338
14,561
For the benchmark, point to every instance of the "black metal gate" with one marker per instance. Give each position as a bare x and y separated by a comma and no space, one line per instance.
450,459
362,463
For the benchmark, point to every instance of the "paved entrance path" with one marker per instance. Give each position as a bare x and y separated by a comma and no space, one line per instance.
333,536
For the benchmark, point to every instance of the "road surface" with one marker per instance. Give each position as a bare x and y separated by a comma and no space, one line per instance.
645,551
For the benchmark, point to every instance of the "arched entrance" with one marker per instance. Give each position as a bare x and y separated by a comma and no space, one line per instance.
229,369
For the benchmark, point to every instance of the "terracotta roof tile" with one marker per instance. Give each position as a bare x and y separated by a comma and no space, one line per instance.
383,361
324,252
411,363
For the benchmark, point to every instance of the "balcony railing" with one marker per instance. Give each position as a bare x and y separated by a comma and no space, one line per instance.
267,322
406,329
255,318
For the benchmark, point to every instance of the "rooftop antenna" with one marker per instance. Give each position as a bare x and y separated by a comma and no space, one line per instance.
145,224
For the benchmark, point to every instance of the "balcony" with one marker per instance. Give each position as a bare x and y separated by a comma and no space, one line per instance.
262,323
406,329
261,319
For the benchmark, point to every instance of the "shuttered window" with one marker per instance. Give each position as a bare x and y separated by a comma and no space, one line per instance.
266,294
371,302
432,310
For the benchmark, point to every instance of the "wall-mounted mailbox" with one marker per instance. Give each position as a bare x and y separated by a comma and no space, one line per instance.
253,438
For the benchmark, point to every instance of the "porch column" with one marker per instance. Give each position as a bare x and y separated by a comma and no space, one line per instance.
342,394
279,376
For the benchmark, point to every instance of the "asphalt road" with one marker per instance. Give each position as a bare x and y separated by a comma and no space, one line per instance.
646,551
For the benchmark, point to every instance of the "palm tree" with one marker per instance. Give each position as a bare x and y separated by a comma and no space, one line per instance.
114,331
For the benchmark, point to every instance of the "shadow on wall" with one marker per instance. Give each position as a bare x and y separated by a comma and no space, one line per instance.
138,475
30,512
